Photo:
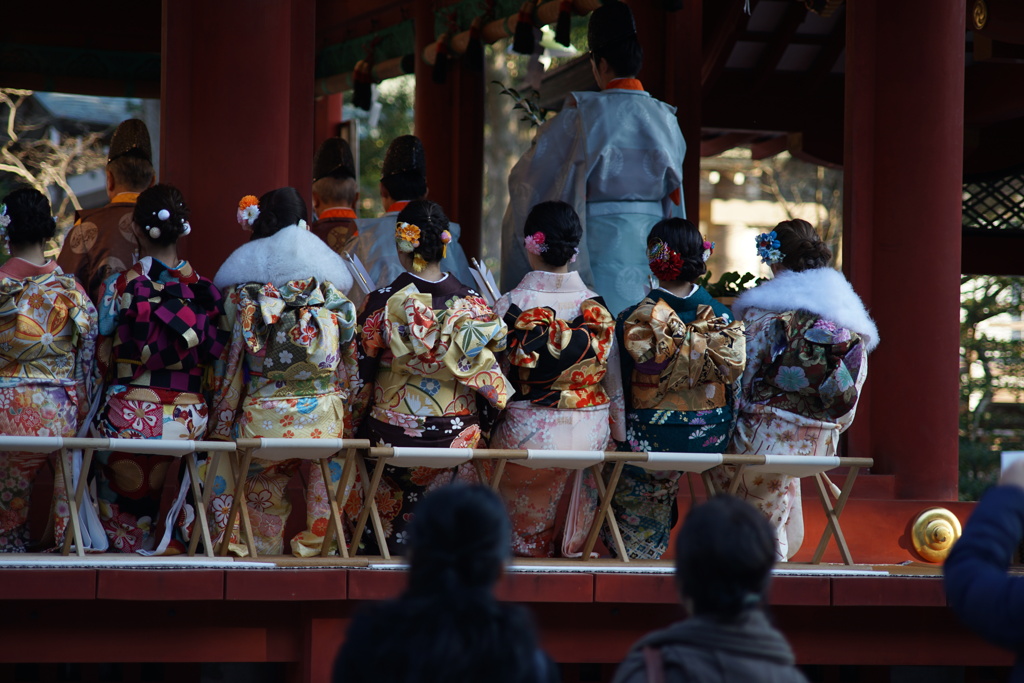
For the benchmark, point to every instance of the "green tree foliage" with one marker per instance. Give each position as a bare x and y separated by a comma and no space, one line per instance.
396,97
991,368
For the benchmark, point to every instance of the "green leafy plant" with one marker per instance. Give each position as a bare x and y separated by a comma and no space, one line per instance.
532,112
730,284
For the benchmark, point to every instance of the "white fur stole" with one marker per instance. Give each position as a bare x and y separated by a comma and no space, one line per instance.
292,253
821,291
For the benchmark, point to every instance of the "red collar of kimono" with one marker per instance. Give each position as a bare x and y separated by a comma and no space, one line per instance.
397,206
339,212
624,84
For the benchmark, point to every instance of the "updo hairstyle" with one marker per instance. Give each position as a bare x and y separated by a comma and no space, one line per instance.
149,208
801,247
429,217
725,551
684,238
561,228
459,541
279,209
31,222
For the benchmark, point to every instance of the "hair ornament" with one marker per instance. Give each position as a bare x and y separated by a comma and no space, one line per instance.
248,211
535,243
407,236
186,228
575,253
665,262
709,249
5,220
163,214
154,233
446,237
768,248
418,263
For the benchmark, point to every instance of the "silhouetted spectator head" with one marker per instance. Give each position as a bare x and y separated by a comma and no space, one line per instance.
724,557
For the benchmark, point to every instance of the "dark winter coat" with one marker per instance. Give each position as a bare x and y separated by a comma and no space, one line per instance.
978,588
704,650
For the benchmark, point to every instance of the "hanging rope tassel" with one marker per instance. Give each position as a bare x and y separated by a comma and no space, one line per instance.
563,28
522,40
440,73
362,87
474,56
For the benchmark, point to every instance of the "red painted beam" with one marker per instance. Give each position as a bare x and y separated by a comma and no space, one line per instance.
48,584
286,584
160,584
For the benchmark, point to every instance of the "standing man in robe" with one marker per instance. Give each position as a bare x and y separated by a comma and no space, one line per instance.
616,156
102,242
403,179
335,192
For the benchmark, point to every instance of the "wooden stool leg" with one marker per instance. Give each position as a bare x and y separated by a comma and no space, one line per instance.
734,485
498,471
341,494
831,520
238,506
70,492
334,519
709,484
197,497
844,495
613,524
213,458
370,485
602,510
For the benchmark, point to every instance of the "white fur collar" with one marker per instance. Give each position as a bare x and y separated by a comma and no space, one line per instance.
291,253
822,291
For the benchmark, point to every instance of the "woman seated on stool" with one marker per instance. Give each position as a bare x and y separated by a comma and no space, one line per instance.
682,352
808,339
565,369
47,340
427,364
159,322
287,370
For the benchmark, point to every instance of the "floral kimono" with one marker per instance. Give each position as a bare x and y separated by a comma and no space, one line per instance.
681,357
286,373
808,337
564,366
426,359
160,332
47,340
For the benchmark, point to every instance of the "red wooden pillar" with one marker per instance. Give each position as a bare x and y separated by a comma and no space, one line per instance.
672,73
326,118
904,167
236,110
449,119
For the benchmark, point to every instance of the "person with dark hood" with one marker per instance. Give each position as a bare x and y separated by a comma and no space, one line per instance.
335,193
403,179
447,625
102,241
724,557
616,156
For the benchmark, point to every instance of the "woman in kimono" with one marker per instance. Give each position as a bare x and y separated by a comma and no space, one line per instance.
287,369
47,339
158,323
564,366
427,364
808,337
682,352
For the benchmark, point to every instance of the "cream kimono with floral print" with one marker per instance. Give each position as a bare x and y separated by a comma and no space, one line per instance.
808,338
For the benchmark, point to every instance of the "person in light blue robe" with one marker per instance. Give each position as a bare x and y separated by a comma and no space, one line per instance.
403,179
616,156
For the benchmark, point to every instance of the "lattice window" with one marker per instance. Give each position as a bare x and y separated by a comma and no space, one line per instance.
995,203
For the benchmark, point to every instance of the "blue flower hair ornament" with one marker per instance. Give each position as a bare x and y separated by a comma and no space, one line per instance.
768,248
